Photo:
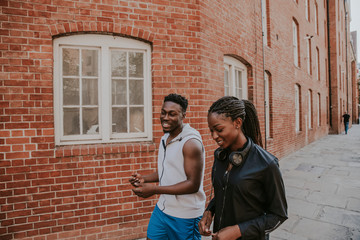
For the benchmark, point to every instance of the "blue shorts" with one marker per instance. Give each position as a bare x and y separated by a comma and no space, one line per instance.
163,226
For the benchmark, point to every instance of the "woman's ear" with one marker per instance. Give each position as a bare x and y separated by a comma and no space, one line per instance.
238,123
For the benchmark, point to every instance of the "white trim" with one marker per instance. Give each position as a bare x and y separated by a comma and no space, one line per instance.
104,43
297,108
310,109
234,66
295,43
308,46
267,105
318,109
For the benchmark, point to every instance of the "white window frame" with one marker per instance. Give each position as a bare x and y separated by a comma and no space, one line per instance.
307,10
318,109
295,43
233,65
264,22
310,109
308,46
317,64
297,108
267,105
105,43
316,18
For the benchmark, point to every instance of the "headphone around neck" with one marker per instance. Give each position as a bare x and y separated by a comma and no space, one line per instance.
235,157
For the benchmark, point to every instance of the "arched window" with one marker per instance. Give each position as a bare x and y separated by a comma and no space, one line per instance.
297,108
318,109
296,48
235,78
102,89
267,104
310,112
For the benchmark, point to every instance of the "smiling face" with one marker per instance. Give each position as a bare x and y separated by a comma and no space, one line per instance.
226,132
171,117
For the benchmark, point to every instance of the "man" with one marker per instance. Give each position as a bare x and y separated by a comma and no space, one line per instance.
346,117
180,171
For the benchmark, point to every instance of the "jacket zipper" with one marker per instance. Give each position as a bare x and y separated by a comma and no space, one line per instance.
227,173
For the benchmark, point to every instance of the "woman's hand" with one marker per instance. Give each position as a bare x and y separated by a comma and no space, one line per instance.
204,223
228,233
136,179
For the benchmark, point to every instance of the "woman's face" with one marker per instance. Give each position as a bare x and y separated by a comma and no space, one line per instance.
224,130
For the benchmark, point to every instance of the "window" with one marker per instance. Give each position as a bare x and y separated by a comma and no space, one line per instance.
265,22
307,10
327,110
317,64
318,109
310,109
308,46
316,22
267,104
102,89
326,73
295,43
297,108
235,78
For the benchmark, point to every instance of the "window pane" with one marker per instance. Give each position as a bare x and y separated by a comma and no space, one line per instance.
238,84
71,121
119,92
238,78
136,65
226,82
118,64
119,120
90,121
70,62
89,62
89,91
239,93
136,92
137,119
71,91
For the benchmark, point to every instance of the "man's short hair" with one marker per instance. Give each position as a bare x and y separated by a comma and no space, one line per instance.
176,98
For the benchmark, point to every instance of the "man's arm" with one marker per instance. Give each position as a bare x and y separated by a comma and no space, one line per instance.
193,167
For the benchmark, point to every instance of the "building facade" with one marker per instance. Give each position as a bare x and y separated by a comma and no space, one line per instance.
82,84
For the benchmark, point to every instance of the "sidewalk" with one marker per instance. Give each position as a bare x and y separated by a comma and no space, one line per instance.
323,190
322,183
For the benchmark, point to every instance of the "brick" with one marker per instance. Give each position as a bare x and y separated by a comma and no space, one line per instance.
86,183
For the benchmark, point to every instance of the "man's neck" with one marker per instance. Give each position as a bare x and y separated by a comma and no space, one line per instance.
173,134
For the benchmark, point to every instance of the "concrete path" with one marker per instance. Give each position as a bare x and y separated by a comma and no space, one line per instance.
323,190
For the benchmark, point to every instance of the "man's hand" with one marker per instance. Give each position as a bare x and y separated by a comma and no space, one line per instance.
144,190
204,224
228,233
136,179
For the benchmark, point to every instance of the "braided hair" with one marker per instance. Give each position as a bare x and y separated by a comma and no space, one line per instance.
234,108
176,98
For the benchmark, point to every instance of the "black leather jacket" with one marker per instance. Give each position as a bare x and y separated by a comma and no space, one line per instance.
251,195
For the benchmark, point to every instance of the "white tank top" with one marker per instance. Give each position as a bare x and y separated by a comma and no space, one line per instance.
171,171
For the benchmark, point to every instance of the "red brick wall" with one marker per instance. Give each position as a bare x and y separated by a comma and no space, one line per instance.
70,192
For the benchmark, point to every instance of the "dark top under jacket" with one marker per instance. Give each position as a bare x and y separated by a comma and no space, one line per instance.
251,195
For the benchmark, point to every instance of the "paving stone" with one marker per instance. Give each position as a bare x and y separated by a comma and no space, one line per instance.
353,205
316,230
327,199
343,217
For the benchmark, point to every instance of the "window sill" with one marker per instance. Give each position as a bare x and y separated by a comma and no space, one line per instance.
103,149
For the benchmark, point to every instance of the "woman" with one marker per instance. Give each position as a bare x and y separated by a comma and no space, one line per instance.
249,199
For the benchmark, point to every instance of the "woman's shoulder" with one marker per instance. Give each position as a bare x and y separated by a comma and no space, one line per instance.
264,156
